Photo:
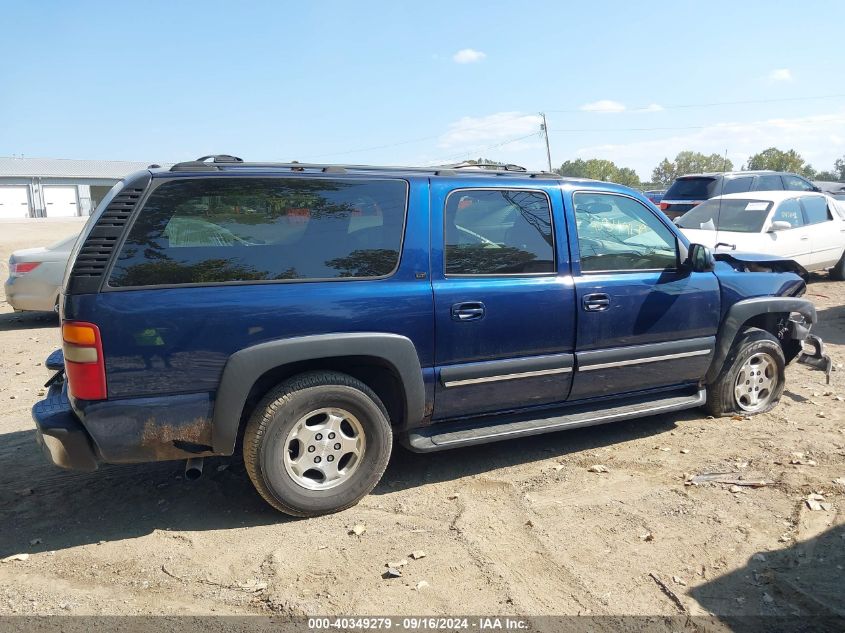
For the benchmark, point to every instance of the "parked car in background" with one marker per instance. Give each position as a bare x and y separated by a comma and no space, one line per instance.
35,276
833,189
655,195
688,191
311,315
808,228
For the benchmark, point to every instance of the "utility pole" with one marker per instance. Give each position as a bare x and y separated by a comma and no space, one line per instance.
545,130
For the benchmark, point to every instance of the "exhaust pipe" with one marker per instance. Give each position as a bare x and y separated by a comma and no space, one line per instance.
193,468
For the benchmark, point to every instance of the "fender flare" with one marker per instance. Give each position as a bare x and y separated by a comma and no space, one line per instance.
246,366
741,311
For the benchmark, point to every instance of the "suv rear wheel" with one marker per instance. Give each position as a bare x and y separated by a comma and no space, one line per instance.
752,378
317,443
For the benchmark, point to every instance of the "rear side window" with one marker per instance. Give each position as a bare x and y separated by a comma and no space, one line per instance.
691,189
498,232
736,185
815,208
212,230
768,183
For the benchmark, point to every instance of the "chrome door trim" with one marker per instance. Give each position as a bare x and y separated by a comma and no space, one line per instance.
515,376
647,359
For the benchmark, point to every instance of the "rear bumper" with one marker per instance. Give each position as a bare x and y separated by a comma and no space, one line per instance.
27,293
60,435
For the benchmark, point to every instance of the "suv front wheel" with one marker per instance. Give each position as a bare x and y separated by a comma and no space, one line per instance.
317,443
752,378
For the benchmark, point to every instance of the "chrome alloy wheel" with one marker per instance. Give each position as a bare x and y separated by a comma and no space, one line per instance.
324,448
756,382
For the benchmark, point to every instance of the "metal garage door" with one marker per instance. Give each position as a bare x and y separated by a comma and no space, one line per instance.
61,202
14,202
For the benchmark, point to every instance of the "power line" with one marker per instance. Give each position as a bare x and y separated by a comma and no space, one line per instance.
651,108
628,129
478,150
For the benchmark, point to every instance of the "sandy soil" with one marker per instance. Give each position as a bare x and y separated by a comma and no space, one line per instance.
521,527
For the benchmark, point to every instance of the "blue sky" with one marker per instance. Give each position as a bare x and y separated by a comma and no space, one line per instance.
420,83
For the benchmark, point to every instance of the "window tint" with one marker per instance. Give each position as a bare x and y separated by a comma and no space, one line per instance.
768,183
736,185
727,214
789,211
794,183
691,189
498,233
815,208
618,233
209,230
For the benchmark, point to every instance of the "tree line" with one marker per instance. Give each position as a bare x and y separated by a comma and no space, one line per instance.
688,162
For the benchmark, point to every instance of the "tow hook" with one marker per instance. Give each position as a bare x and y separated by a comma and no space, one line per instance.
817,358
193,468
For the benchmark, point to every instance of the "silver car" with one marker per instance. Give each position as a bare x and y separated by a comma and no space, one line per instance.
35,276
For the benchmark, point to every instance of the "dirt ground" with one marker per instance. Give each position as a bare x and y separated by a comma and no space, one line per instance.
519,527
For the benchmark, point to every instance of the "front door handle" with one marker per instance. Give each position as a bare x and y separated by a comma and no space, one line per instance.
597,302
468,311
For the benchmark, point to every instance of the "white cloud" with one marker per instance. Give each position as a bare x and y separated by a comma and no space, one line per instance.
488,130
820,139
781,74
603,105
468,56
652,107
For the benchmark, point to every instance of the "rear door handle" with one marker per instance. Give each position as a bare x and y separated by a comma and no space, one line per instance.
597,302
468,311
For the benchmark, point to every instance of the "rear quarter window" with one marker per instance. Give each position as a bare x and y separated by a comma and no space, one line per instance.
216,230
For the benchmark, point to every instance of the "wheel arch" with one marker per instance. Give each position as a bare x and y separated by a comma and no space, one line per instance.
763,313
387,363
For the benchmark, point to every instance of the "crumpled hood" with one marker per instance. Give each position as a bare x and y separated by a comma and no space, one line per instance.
760,262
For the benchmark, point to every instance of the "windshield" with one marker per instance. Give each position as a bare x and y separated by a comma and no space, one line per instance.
739,215
700,188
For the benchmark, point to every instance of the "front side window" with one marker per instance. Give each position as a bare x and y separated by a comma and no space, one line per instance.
728,214
815,208
498,232
789,211
794,183
212,230
616,233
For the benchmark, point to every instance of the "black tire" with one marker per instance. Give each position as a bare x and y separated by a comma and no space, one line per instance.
721,398
276,415
837,273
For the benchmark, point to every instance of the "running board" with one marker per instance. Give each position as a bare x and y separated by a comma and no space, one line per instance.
442,436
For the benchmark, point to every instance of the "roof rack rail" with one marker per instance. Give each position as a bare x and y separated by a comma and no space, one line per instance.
225,162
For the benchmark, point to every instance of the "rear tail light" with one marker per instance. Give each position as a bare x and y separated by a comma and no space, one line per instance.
664,206
21,268
85,365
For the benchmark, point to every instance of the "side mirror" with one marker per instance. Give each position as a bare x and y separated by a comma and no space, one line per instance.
779,225
700,259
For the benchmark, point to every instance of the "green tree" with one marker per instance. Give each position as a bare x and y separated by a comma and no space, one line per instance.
839,168
599,169
688,162
778,160
827,175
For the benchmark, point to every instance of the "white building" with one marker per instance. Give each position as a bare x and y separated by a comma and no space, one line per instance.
50,187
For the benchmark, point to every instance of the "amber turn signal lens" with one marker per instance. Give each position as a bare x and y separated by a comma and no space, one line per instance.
79,334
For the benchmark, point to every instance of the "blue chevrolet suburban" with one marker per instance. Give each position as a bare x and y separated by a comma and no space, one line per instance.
311,315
